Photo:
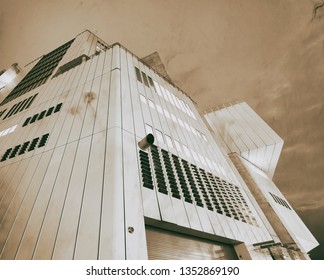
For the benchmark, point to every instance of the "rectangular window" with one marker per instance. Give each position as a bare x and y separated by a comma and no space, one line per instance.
204,137
190,111
159,136
167,114
176,101
41,115
30,101
165,96
14,151
145,79
157,88
183,107
58,107
23,148
2,112
187,152
43,140
138,74
195,156
181,123
159,108
34,118
170,97
143,98
33,144
169,141
202,160
49,111
17,108
151,104
174,118
6,154
151,82
148,128
10,111
178,146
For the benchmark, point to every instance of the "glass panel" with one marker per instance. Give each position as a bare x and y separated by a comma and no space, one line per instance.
167,114
159,108
159,136
151,104
143,98
178,146
169,141
148,128
138,74
145,79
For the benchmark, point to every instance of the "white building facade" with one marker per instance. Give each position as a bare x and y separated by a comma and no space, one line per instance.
76,184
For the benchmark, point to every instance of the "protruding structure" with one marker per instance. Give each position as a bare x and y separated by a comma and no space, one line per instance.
146,142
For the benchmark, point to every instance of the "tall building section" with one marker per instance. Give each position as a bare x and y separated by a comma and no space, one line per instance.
102,157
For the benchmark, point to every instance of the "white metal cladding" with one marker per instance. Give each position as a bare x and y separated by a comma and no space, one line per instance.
68,199
80,196
242,131
293,224
170,208
167,245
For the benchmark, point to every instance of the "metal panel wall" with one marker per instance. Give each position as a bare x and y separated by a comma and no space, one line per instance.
80,196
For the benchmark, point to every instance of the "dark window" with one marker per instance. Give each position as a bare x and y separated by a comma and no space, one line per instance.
151,81
2,112
14,151
23,148
33,144
49,111
145,79
36,76
138,74
58,107
192,184
10,111
41,115
43,140
26,121
34,118
6,154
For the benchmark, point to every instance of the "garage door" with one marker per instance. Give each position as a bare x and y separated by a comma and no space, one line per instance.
167,245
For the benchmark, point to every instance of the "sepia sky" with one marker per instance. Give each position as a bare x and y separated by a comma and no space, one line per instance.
267,53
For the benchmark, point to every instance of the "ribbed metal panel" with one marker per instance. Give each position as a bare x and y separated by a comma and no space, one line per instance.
167,245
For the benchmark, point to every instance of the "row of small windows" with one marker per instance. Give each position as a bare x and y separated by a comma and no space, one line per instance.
22,105
143,78
172,143
43,114
280,201
101,46
39,74
8,130
172,117
171,98
176,177
164,93
25,147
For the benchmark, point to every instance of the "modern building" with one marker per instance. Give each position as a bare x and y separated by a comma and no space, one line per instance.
103,157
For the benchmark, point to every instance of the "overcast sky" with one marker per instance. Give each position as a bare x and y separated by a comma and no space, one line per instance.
267,53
